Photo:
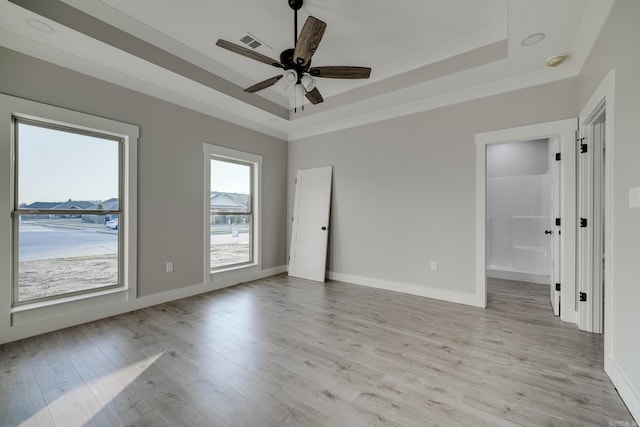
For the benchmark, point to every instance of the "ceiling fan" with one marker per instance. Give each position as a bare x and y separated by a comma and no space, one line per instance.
296,62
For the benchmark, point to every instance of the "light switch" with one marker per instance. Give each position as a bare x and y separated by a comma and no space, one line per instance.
634,197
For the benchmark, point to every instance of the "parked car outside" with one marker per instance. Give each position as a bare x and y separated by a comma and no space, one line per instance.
112,224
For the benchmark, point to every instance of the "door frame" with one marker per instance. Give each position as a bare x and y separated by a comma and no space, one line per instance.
565,130
601,102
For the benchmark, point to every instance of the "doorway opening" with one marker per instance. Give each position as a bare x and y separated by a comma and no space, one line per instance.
556,217
519,230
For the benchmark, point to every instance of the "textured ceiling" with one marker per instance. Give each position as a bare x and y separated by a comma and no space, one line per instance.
384,35
423,54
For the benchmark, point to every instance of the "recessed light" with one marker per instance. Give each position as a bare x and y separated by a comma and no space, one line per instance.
38,25
532,39
556,60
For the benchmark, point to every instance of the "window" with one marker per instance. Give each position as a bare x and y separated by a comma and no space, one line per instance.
231,201
68,211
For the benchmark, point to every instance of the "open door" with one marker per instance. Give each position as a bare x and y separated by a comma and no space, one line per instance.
556,233
591,210
562,131
309,231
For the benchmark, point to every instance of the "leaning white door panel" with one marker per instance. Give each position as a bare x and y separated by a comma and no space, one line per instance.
309,232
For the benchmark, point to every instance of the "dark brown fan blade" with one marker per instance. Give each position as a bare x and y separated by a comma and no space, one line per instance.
341,72
248,53
263,85
314,96
308,40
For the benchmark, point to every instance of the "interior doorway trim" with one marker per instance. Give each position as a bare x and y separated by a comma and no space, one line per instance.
565,130
601,101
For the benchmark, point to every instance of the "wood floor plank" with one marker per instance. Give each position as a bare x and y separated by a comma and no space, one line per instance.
172,402
289,352
21,402
75,406
120,400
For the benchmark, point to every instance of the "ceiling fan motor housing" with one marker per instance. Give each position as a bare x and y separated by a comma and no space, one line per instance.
286,58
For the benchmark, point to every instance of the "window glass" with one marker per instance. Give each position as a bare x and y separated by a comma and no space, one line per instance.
68,215
231,215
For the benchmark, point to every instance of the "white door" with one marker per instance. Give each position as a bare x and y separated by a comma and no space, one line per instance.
591,235
310,228
555,226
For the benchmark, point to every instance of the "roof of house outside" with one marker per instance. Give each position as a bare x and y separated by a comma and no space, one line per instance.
230,201
109,204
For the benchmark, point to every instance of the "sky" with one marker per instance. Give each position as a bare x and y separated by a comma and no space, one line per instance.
230,177
55,166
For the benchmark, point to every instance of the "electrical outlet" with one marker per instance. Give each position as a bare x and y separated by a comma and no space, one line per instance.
170,267
434,265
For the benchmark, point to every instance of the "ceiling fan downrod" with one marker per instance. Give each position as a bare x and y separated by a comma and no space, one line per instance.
295,5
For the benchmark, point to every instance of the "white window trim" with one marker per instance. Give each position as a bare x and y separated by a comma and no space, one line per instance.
29,315
211,150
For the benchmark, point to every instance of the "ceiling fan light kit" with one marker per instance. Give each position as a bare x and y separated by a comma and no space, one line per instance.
296,62
308,82
289,78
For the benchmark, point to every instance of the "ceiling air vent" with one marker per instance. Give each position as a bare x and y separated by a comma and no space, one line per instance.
250,41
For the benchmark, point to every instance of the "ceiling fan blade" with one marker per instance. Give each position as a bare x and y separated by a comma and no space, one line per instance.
248,53
314,96
308,41
263,85
341,72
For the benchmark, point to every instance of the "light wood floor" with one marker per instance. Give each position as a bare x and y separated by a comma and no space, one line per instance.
287,352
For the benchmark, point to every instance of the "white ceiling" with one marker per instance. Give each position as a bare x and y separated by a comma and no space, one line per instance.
423,54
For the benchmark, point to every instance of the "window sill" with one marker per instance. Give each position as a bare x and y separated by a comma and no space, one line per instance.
233,275
69,307
233,268
57,301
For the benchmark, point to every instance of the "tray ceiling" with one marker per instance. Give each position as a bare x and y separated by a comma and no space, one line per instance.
423,54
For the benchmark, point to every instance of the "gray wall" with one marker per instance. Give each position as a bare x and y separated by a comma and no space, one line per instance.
404,189
518,158
170,166
618,47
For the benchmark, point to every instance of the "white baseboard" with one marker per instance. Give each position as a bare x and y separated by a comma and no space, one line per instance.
519,276
36,325
408,288
627,391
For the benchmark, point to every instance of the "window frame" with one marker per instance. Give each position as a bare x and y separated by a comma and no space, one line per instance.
65,309
215,152
17,211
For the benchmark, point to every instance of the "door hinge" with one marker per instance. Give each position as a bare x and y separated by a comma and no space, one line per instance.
292,219
583,148
583,296
558,156
289,259
583,222
558,287
558,222
295,181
